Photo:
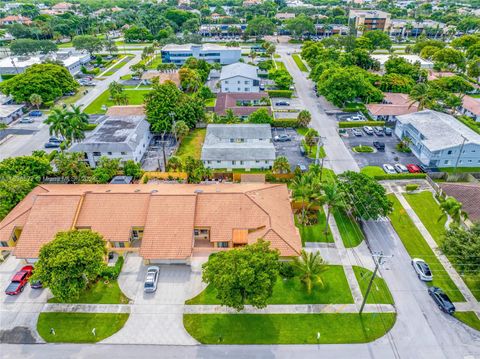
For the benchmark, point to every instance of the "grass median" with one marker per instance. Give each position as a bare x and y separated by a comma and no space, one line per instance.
379,292
349,229
299,62
417,247
287,328
135,97
314,232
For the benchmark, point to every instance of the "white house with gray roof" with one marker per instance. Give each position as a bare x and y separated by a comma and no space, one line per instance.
124,137
239,77
439,140
244,146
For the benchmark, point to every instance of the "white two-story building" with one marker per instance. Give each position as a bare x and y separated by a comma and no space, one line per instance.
239,77
238,146
440,140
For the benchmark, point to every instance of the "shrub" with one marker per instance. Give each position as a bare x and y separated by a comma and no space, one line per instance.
112,272
400,176
286,123
286,270
363,149
411,187
90,127
351,124
280,93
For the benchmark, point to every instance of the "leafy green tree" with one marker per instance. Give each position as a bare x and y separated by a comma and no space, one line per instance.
202,67
35,100
70,124
190,80
174,164
281,165
334,198
309,267
48,80
300,25
452,208
307,189
365,197
88,43
72,166
453,84
422,95
243,275
33,168
22,47
462,246
180,129
449,58
12,190
196,171
106,169
398,65
260,116
260,26
396,83
379,39
131,168
283,79
473,51
311,138
166,102
70,262
137,33
304,118
421,44
473,68
428,52
465,42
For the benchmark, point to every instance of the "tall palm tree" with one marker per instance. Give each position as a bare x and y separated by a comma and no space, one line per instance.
281,165
420,94
333,198
35,100
307,190
310,267
78,121
57,121
451,207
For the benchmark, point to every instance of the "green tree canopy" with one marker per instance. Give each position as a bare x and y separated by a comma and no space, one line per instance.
364,196
283,79
70,262
106,168
396,83
260,26
21,47
88,43
12,190
260,116
48,80
300,25
379,39
398,65
462,246
244,275
33,168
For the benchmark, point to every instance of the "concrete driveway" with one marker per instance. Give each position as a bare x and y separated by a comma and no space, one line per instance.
157,318
19,313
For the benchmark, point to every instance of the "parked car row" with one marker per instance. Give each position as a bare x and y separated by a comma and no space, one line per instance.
370,131
20,280
399,168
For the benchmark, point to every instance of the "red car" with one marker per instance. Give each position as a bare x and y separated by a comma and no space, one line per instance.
19,281
413,168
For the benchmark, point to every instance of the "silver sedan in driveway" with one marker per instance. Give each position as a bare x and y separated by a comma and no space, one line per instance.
151,279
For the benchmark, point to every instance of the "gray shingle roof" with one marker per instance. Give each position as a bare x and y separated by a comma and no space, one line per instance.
239,69
115,134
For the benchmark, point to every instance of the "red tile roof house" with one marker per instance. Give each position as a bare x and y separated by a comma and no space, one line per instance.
15,19
470,107
393,105
164,223
235,101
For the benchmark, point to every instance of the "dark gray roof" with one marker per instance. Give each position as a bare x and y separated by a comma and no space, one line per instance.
247,131
115,134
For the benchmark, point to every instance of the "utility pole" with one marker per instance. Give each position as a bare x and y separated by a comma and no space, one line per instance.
378,259
460,153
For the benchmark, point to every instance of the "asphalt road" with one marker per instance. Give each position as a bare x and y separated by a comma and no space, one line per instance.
20,145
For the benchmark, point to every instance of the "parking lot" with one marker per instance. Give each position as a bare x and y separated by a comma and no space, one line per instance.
391,155
293,104
290,149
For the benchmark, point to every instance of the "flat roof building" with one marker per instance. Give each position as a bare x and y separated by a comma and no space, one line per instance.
365,20
212,53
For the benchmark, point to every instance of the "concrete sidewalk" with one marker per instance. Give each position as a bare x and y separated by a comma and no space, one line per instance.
86,308
290,309
457,279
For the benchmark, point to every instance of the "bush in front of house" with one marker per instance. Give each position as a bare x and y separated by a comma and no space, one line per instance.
411,187
286,270
280,93
114,271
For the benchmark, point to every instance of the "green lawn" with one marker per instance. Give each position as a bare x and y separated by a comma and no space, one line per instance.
192,144
469,318
315,232
287,328
292,291
379,293
68,100
155,62
469,122
417,247
280,65
118,66
312,151
100,293
459,169
373,171
299,62
77,327
135,97
428,210
349,229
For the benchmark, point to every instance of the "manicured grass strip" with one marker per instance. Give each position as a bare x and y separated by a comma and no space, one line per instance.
349,229
293,291
77,327
379,293
312,151
99,293
135,97
118,66
469,318
428,210
459,169
155,62
192,144
315,232
417,247
287,328
280,65
299,62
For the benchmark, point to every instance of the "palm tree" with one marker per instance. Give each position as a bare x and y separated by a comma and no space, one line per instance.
304,118
310,267
307,190
78,121
420,93
58,122
451,207
281,165
175,164
333,198
180,129
35,100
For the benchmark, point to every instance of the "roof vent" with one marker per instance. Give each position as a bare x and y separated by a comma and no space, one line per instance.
198,191
108,190
137,190
153,191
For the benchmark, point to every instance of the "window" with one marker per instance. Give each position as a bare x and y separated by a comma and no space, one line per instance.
119,244
246,89
449,152
219,161
257,161
233,162
123,153
446,162
226,89
469,161
241,162
222,244
232,140
238,82
97,153
246,82
266,162
137,233
226,81
109,153
238,89
3,244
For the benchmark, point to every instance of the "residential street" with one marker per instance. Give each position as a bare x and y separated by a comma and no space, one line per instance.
20,145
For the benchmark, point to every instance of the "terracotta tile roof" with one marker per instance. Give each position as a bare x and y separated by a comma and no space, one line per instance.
468,194
113,214
227,101
168,213
169,227
131,110
162,76
49,215
393,104
471,104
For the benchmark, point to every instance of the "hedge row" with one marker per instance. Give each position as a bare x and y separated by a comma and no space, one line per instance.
280,93
400,176
350,124
288,122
